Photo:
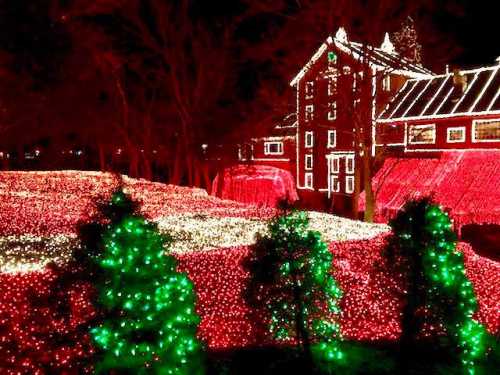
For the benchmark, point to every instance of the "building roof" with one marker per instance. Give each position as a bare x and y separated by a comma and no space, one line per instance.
459,181
286,127
441,96
383,58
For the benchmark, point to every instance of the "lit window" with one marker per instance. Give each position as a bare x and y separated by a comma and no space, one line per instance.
273,148
308,180
386,83
332,86
309,112
309,89
346,70
349,164
332,111
356,103
309,162
349,184
486,131
422,134
454,135
334,182
332,138
335,164
309,139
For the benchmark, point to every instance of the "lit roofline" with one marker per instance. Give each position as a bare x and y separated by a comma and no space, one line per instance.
431,117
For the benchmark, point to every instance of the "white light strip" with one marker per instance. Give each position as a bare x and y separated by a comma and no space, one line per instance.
311,62
270,159
402,101
444,100
494,99
417,97
393,99
465,93
447,115
435,96
488,83
451,149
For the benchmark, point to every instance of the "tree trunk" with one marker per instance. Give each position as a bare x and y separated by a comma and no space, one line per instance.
367,181
102,158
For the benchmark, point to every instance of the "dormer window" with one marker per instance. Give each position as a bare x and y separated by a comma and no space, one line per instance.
309,89
309,114
332,111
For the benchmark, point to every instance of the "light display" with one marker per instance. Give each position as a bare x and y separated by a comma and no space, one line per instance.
150,321
371,302
291,275
437,278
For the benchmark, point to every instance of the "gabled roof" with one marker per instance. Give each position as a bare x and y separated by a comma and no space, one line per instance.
379,58
438,96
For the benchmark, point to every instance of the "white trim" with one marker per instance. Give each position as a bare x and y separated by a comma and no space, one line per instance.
309,110
349,158
423,126
404,98
475,122
306,158
335,187
435,96
374,105
494,100
271,159
455,128
335,164
450,149
267,146
464,94
306,179
332,81
417,97
328,144
349,178
306,143
297,132
485,87
311,62
390,144
386,86
393,99
435,117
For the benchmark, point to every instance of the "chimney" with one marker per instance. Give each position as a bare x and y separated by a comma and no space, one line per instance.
459,80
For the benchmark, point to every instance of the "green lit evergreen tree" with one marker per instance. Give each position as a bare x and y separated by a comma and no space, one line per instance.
150,322
425,247
291,278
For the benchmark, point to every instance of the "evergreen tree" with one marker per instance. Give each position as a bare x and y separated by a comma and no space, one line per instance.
425,246
406,42
291,278
150,321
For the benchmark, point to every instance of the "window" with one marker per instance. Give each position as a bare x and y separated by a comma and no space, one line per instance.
349,184
332,139
309,89
334,182
346,70
309,112
386,83
349,164
486,131
332,86
309,139
273,148
335,164
422,134
356,103
308,181
454,135
309,162
332,111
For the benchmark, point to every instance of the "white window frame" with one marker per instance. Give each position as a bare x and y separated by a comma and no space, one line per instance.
475,122
309,135
349,184
309,89
308,162
410,127
329,143
386,83
456,128
309,113
308,180
335,164
332,111
267,146
332,86
349,160
334,183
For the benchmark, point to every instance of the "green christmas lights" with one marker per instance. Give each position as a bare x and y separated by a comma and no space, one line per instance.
426,241
291,276
150,325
